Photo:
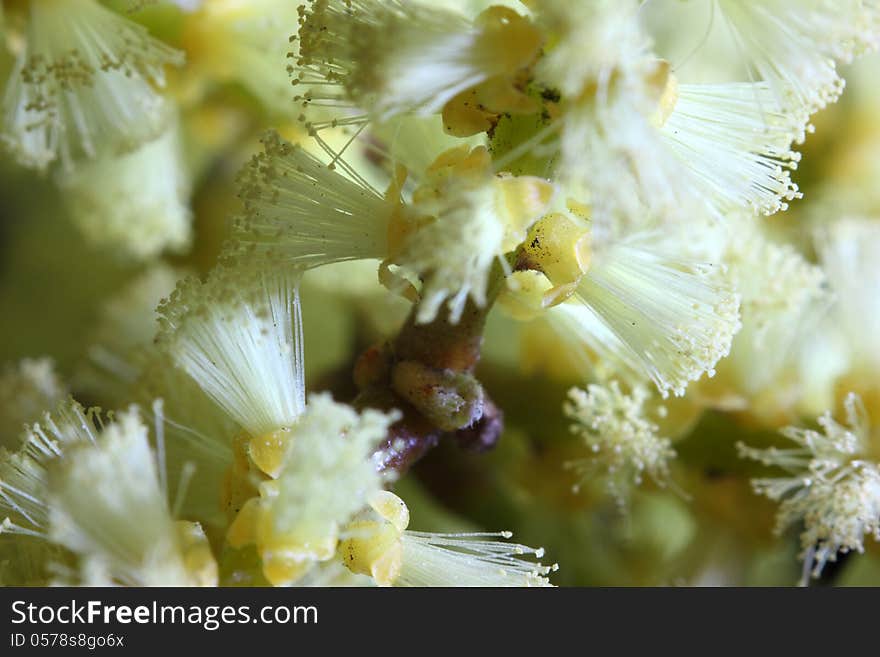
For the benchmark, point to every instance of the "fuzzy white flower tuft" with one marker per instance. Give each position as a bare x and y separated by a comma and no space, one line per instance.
660,315
461,220
469,559
829,486
624,442
591,41
307,212
27,389
464,220
378,544
396,56
454,252
793,45
23,479
635,150
136,203
83,85
239,336
742,126
94,493
327,476
779,290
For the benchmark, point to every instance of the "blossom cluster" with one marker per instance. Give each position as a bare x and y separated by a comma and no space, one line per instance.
301,250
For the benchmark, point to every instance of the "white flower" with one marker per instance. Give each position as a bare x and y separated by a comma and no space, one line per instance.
656,314
624,442
378,544
136,203
329,472
734,144
715,148
306,212
461,220
591,42
23,478
394,56
794,44
828,486
840,350
83,85
107,504
780,290
239,336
